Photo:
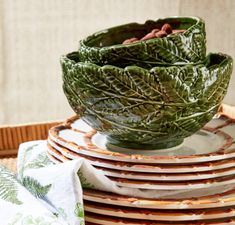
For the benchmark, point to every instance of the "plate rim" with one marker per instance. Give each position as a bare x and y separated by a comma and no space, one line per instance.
97,152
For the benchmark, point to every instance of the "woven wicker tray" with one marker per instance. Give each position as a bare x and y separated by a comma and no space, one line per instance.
12,136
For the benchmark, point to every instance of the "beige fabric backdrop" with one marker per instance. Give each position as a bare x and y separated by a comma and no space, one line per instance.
34,34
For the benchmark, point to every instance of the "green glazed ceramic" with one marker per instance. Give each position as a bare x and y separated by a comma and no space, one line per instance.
183,48
146,109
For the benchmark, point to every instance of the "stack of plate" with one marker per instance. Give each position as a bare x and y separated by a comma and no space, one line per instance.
203,164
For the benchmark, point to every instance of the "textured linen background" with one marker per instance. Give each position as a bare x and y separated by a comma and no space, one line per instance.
34,34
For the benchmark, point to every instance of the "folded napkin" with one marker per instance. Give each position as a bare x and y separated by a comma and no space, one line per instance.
18,206
44,193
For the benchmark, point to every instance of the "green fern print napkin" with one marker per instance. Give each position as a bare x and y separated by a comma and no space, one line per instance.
19,207
41,193
57,187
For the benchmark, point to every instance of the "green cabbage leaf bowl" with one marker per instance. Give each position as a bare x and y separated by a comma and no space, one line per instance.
146,109
189,47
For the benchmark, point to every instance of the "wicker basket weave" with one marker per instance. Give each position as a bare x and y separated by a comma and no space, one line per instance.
12,136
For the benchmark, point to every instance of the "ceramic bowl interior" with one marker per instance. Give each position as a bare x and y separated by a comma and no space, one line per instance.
106,48
116,35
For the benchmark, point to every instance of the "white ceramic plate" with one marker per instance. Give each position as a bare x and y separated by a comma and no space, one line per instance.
210,144
211,201
60,151
157,185
160,176
108,220
167,176
158,214
53,158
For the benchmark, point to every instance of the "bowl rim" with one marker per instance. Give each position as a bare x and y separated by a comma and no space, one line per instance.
206,64
83,42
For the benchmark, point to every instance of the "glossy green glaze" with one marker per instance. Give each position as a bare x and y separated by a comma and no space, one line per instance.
183,48
146,109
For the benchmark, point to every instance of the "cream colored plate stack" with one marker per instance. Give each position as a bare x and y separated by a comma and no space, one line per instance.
204,162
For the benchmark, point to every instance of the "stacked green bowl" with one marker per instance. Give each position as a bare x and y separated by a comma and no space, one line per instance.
189,47
148,94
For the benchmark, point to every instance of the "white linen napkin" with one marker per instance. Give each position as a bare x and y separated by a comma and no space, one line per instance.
19,207
43,194
57,187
